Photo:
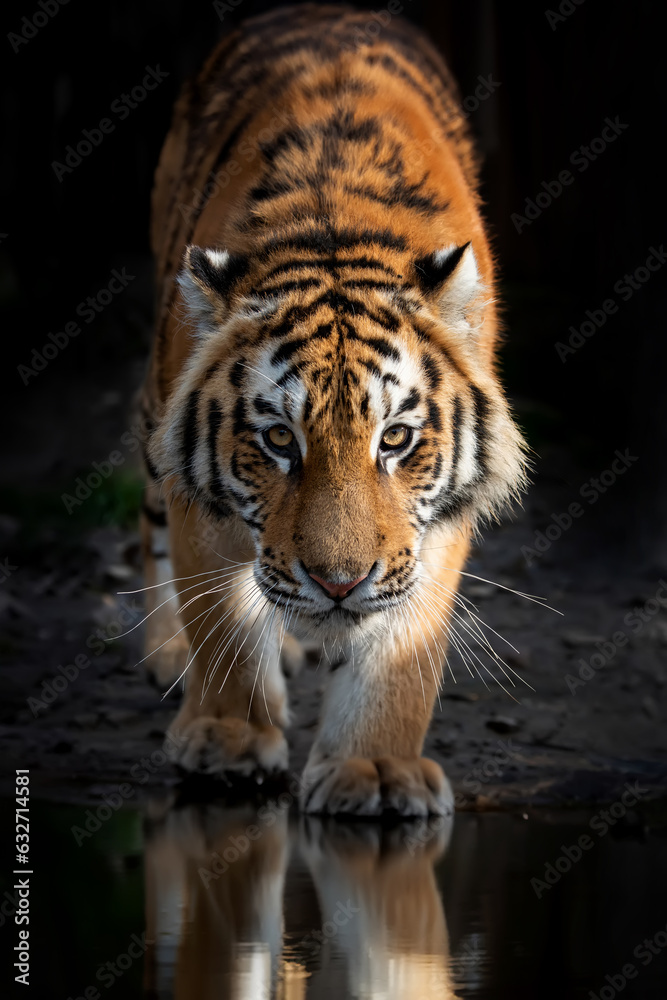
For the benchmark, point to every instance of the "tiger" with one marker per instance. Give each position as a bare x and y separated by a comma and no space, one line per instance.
329,426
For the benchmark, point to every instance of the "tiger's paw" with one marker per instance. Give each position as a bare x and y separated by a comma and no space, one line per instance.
388,786
229,747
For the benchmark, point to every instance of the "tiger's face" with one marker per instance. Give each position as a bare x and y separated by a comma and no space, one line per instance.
340,423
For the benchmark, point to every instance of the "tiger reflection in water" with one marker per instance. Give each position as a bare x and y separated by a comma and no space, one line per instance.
374,926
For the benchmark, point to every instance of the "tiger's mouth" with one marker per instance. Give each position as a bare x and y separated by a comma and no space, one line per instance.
339,615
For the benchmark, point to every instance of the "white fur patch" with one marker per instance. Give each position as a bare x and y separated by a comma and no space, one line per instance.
461,288
467,468
199,305
256,307
218,258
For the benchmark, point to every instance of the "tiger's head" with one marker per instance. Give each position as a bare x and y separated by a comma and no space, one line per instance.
341,414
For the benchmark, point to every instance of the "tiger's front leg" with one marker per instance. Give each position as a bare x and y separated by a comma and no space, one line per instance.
367,756
235,706
366,759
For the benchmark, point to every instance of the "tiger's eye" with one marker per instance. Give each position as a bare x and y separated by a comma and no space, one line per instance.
281,437
396,436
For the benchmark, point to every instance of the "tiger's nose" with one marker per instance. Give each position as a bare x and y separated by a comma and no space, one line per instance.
339,590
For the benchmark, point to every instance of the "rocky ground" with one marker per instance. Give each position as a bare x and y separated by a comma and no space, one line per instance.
81,712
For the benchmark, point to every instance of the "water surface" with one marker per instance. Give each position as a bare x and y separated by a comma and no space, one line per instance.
253,901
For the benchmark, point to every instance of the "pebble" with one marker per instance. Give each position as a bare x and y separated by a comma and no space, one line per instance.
518,661
540,728
503,724
120,572
120,716
650,706
85,720
447,740
479,590
575,638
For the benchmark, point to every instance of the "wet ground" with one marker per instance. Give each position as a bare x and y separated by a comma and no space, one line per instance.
246,901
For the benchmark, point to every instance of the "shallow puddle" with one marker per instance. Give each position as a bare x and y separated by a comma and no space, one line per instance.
254,901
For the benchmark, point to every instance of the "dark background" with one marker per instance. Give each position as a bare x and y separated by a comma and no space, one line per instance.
558,83
58,244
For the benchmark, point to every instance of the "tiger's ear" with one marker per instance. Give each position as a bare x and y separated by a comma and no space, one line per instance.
207,281
452,277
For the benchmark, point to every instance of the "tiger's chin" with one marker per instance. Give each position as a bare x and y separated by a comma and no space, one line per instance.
340,630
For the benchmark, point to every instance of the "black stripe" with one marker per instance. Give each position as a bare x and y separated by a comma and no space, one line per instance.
431,371
211,371
409,458
293,315
241,424
434,415
289,286
481,409
189,445
342,127
150,468
214,480
400,193
293,136
355,307
313,789
371,366
263,406
378,344
385,286
156,517
331,90
286,350
236,374
302,263
332,241
457,413
411,401
271,188
423,334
